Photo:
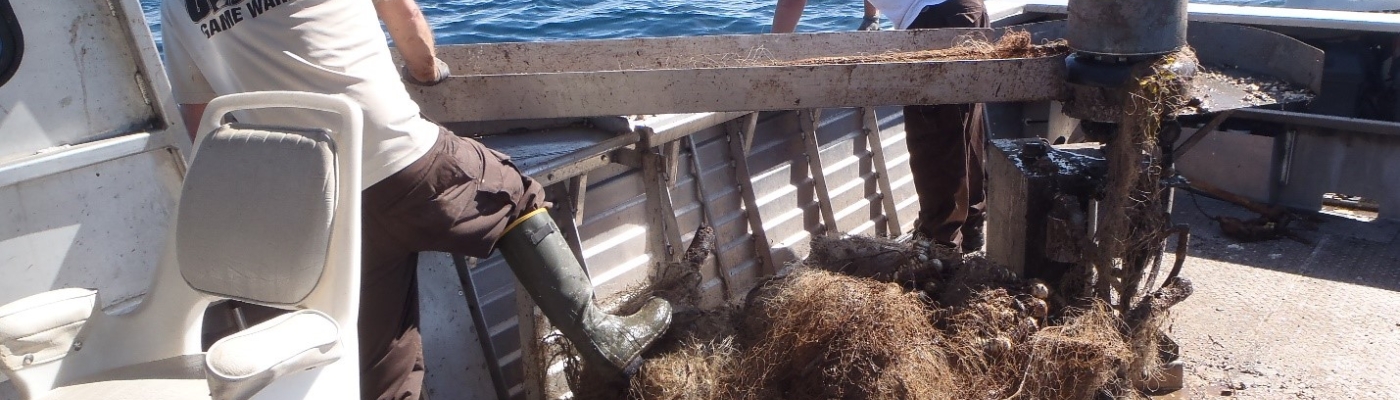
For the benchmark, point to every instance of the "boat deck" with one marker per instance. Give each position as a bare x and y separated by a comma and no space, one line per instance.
1284,319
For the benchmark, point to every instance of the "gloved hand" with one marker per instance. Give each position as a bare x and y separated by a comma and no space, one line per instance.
443,71
869,24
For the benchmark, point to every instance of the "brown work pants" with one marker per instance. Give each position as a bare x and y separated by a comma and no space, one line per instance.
946,144
458,198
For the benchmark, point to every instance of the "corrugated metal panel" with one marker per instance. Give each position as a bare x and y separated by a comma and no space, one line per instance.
616,230
734,245
850,176
784,190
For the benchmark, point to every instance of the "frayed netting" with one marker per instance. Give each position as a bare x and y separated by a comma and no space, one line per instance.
1134,216
872,318
875,318
1011,45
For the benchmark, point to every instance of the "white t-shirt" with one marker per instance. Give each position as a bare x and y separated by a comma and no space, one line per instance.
902,12
217,47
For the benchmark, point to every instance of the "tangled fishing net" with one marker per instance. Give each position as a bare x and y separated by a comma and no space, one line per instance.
1011,45
924,327
872,318
1134,213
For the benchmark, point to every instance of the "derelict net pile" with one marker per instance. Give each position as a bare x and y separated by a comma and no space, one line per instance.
1011,45
870,318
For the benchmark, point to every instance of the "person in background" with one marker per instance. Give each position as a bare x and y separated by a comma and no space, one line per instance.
946,142
426,188
871,20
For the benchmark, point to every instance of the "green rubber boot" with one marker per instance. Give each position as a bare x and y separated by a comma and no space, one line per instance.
547,268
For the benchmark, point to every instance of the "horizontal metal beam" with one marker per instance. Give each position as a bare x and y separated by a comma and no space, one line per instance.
66,158
579,162
696,52
737,73
667,75
551,95
1342,124
670,128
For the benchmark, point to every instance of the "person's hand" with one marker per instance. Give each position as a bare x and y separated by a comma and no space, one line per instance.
440,67
869,24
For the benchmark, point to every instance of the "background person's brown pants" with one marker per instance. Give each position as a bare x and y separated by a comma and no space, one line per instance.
458,198
946,143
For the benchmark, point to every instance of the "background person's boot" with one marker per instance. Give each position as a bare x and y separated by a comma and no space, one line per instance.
973,234
545,265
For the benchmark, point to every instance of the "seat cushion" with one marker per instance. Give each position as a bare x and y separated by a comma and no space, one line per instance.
244,363
255,213
136,389
281,340
172,378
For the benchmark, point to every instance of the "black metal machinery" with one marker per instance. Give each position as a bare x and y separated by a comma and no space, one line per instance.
1049,202
1045,199
1045,194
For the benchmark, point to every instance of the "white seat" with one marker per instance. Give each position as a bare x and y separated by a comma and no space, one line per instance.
134,389
266,215
179,377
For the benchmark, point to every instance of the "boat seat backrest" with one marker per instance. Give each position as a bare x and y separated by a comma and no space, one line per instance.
255,214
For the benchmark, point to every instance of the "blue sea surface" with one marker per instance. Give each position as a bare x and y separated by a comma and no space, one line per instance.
488,21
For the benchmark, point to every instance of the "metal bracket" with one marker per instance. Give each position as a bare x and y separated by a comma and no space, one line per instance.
747,128
577,189
672,152
581,161
1200,134
665,236
706,213
808,120
871,124
739,154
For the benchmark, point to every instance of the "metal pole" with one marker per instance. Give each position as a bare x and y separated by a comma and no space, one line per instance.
483,332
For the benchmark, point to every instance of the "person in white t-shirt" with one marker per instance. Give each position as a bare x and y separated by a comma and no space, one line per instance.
946,149
426,188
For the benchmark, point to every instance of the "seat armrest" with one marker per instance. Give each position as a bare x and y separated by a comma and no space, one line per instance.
240,365
44,327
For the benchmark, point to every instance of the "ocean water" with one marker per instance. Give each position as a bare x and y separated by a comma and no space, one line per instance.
488,21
